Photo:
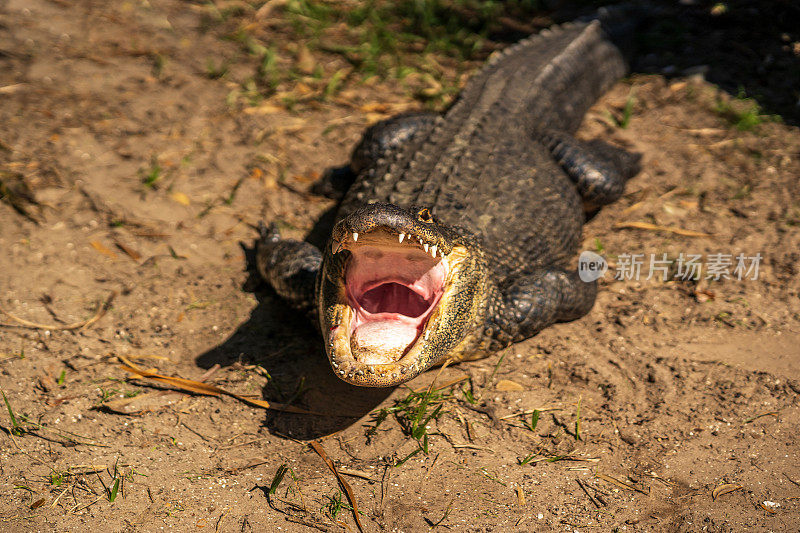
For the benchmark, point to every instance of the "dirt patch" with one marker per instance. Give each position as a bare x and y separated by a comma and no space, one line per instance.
138,166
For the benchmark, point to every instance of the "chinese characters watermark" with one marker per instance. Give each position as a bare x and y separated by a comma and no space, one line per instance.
685,267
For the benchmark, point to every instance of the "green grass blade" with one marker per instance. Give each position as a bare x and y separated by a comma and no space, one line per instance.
16,429
276,481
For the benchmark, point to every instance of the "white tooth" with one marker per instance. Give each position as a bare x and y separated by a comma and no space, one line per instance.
426,247
427,333
433,251
355,237
401,237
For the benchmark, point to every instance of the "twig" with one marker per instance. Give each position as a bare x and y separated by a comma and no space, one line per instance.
472,447
443,386
356,473
591,498
753,418
76,508
58,498
387,472
210,372
209,390
439,373
792,480
9,89
342,482
101,310
207,439
239,445
526,413
620,483
655,227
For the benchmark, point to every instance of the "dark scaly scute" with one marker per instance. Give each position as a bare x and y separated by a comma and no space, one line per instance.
480,169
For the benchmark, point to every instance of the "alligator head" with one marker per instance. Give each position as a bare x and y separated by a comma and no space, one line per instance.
398,292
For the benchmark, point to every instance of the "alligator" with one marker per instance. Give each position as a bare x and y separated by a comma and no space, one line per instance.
456,234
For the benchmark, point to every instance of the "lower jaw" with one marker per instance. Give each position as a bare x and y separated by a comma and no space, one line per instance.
383,341
355,369
375,375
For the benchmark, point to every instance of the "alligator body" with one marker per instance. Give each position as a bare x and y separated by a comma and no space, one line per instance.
457,234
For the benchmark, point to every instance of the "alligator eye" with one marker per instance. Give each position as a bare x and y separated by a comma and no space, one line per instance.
424,215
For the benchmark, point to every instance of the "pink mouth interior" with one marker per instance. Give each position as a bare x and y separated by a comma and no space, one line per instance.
394,298
393,289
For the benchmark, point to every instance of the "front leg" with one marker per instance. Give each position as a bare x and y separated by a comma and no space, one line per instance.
289,266
536,301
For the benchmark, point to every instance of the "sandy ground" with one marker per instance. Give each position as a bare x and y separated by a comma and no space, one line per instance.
146,175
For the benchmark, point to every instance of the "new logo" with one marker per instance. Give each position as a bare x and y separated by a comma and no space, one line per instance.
591,266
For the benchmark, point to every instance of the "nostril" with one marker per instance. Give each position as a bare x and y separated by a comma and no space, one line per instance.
424,215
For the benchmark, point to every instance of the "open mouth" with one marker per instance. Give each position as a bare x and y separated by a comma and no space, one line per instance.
392,287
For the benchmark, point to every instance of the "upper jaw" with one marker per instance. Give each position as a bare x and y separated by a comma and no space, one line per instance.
403,223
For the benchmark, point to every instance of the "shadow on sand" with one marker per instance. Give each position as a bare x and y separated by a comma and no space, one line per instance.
748,48
289,347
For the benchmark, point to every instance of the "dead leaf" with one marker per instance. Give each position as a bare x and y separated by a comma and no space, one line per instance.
264,109
386,108
372,118
725,488
308,177
707,131
678,86
130,252
38,503
506,385
301,89
181,198
375,107
103,250
265,10
305,61
704,295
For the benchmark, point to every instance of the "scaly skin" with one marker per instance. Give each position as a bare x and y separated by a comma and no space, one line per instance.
495,188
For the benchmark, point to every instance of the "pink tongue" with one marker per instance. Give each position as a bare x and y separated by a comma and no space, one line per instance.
382,341
393,298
